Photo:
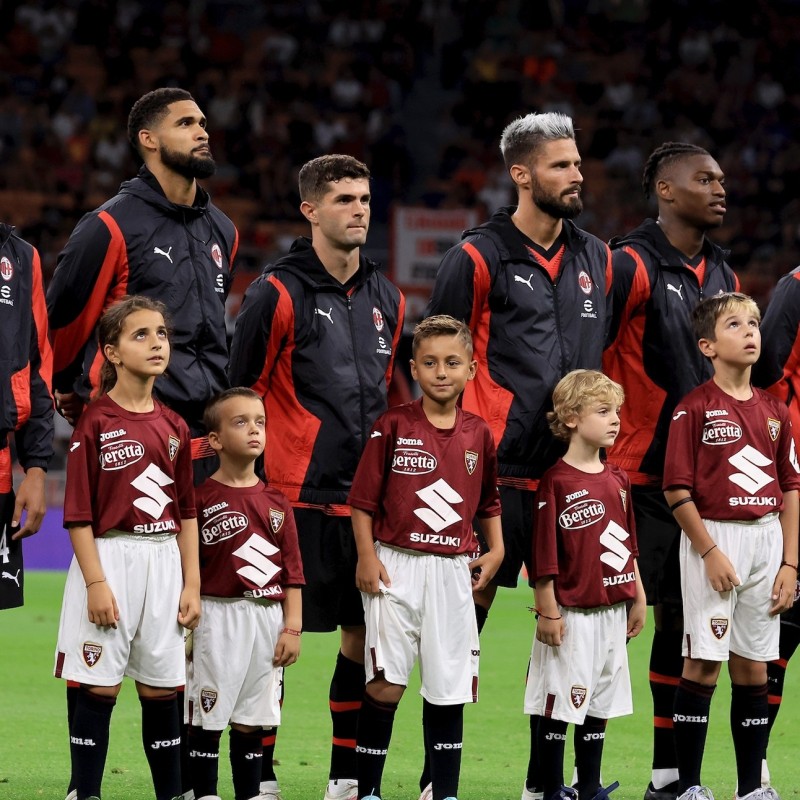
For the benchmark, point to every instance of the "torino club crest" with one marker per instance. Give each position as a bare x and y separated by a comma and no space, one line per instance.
719,626
578,695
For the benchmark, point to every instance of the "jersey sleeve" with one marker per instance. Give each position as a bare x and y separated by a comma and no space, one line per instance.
264,326
545,526
489,505
184,476
91,272
81,481
290,550
462,284
629,289
630,517
34,439
787,466
367,488
685,433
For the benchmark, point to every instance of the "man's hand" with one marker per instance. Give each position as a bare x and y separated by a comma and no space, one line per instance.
70,406
30,499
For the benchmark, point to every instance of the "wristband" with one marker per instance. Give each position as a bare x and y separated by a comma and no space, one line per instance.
92,583
291,631
544,616
708,551
787,564
680,503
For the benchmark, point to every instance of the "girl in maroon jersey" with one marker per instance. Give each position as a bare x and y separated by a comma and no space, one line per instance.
134,582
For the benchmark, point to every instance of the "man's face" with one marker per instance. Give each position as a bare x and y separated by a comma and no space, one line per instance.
181,140
556,179
694,190
342,214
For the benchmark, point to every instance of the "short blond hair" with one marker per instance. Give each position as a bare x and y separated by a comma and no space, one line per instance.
575,392
441,325
708,311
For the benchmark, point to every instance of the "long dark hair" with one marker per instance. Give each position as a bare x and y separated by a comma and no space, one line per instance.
109,329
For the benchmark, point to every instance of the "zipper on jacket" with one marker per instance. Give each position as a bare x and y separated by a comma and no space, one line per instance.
200,303
354,340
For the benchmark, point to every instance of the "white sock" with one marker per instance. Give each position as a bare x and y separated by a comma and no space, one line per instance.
664,777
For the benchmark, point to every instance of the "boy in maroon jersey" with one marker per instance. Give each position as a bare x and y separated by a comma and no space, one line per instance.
428,469
731,480
589,596
250,574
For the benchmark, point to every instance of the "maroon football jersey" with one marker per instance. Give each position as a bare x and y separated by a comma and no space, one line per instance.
584,534
129,472
248,541
425,485
736,457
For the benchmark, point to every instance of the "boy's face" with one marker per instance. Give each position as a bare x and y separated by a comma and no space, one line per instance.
737,338
442,366
597,425
241,433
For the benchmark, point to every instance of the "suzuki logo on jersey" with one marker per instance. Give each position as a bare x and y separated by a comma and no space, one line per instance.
121,454
721,431
582,514
409,461
774,428
719,626
578,695
585,282
471,460
276,519
616,553
751,477
149,483
92,653
258,553
216,254
377,318
6,269
439,514
224,526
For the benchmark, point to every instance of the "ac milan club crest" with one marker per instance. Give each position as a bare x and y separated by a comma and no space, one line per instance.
174,444
719,626
208,699
471,460
623,494
377,318
774,428
216,254
578,695
92,653
585,282
6,269
276,519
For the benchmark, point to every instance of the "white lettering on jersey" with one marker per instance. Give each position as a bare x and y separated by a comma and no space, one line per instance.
616,554
259,569
793,456
440,513
4,548
149,483
751,478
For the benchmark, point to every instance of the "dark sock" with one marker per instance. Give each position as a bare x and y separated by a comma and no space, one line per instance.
203,756
666,666
346,692
533,780
180,693
750,730
425,778
72,699
246,754
550,743
89,741
588,740
268,736
481,614
444,726
375,724
690,719
776,671
161,737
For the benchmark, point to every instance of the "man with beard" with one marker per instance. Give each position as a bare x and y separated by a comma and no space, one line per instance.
532,287
662,269
160,236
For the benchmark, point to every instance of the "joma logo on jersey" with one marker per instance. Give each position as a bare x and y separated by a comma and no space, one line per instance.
92,653
121,454
207,512
410,442
719,626
408,461
578,695
104,437
223,526
575,495
582,514
208,699
721,431
716,412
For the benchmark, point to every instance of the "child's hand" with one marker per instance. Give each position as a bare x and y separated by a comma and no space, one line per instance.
189,608
101,604
637,614
484,568
783,590
369,572
287,651
550,631
720,571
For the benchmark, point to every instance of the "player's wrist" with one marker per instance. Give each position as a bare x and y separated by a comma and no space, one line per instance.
292,631
789,564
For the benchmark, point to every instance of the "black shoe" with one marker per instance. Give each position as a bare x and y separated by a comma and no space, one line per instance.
565,793
668,792
604,793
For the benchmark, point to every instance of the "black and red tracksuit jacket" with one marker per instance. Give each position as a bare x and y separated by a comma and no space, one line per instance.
26,363
321,354
141,243
652,349
778,367
528,329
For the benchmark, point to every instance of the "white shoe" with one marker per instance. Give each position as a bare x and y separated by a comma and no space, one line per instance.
528,795
765,779
73,795
762,793
697,793
427,793
268,790
206,797
342,789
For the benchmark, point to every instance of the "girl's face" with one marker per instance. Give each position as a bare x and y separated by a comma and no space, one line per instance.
143,347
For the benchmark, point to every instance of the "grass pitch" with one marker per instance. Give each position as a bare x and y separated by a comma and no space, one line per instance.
34,753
